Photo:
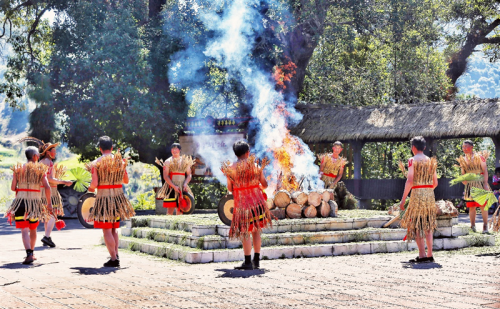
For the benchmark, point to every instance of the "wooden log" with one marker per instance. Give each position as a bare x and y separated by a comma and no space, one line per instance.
314,199
270,204
323,210
309,212
294,211
332,193
299,198
282,199
278,213
325,195
333,208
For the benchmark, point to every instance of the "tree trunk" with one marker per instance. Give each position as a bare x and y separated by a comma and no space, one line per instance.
155,7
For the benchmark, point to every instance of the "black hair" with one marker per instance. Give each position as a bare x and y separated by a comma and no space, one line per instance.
497,170
240,148
176,145
30,152
418,142
469,142
105,143
338,143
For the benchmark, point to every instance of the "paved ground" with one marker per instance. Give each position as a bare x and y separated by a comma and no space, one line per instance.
71,276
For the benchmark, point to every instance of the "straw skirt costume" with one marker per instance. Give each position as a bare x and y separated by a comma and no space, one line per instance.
250,208
57,205
177,168
420,215
111,205
472,164
27,207
331,168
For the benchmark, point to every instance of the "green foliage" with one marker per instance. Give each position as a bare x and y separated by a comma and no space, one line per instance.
145,201
207,195
81,177
465,177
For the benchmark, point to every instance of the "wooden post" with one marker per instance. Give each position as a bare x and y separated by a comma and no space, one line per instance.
496,141
430,149
357,146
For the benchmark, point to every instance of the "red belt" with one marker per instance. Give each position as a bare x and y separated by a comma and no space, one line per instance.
330,175
179,174
109,187
422,187
27,190
245,188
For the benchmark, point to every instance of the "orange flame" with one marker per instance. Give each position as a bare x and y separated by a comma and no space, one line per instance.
284,73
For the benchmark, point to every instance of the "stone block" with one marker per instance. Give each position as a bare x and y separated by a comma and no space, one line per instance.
235,255
359,223
128,224
345,249
313,251
454,243
374,235
340,225
233,243
308,227
443,232
379,247
444,222
271,230
223,230
203,230
454,221
437,244
126,231
412,245
378,222
396,246
364,248
282,252
392,234
284,226
322,226
221,256
459,231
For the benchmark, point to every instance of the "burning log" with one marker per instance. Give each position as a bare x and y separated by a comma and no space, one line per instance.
294,211
314,199
333,208
299,198
323,209
282,199
309,211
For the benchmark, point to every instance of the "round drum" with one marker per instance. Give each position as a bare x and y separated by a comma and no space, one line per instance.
225,209
85,206
187,207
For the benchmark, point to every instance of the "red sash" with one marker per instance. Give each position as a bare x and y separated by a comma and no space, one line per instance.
330,175
422,187
245,188
109,187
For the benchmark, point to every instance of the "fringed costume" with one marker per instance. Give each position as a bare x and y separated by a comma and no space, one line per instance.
27,208
472,164
111,205
331,168
420,215
177,168
250,208
57,205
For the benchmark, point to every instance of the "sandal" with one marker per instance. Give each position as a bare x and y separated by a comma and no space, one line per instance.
418,260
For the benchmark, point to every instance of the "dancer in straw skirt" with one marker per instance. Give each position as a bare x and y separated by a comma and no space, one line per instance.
420,215
27,208
108,176
332,166
54,175
177,175
474,163
245,179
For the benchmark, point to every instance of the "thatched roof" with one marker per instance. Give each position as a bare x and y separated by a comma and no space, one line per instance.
457,119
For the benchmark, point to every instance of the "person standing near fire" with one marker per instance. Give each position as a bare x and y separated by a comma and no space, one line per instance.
177,175
475,163
332,166
245,179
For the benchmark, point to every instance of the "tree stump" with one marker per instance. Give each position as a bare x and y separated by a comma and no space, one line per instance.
332,193
270,204
325,195
294,211
323,210
299,197
314,199
333,208
309,212
278,213
282,199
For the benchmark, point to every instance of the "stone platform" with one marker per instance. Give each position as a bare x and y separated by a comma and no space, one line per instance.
204,239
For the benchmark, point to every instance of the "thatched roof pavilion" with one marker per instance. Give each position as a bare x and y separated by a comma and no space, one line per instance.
456,119
359,125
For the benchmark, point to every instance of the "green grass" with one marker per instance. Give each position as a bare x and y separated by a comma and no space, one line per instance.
9,157
72,163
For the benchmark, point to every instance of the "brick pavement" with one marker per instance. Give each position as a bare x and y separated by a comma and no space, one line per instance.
70,276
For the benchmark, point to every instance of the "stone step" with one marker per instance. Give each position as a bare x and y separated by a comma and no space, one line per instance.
209,242
193,255
210,225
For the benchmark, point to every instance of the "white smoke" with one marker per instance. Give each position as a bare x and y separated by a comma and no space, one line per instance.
235,31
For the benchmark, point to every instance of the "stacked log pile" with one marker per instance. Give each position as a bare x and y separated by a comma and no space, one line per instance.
303,204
